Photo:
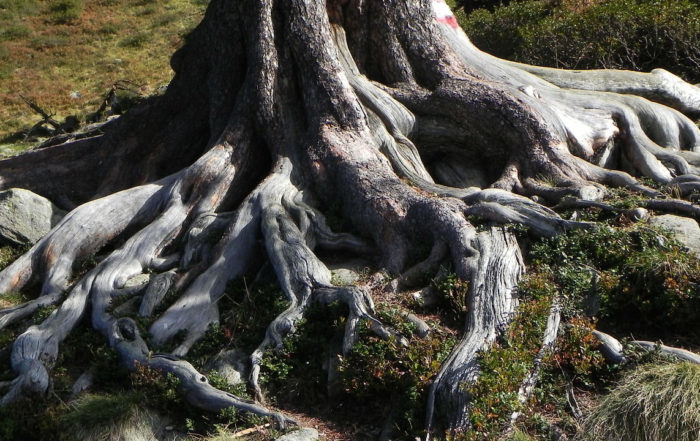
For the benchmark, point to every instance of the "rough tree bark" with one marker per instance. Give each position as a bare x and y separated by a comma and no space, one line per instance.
383,107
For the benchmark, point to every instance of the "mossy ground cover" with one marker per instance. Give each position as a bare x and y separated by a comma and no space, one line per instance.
65,55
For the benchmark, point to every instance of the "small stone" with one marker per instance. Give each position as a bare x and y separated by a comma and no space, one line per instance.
684,229
231,366
637,214
137,281
303,434
591,193
344,276
75,95
347,272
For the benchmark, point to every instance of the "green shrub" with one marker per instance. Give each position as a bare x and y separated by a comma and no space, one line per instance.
109,28
64,11
653,402
470,5
295,372
645,284
501,33
621,34
453,296
8,253
383,374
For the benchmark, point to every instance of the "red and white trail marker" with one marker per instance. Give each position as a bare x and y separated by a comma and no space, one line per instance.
443,14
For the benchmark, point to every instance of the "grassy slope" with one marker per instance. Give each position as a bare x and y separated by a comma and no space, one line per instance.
45,58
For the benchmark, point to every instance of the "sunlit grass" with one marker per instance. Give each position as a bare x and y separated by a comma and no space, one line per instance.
47,60
653,402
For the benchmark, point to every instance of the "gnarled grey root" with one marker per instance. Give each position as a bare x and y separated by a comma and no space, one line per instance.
194,386
202,235
681,354
492,303
158,287
16,313
81,385
611,349
658,85
652,135
301,275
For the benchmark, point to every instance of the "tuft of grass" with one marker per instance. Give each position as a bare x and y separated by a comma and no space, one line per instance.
653,402
97,410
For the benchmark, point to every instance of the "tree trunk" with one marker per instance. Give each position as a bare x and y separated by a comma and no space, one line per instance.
382,107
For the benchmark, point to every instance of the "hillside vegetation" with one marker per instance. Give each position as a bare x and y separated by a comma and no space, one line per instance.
65,55
590,34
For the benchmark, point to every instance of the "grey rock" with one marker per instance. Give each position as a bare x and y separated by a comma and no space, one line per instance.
137,282
684,229
591,193
349,272
637,214
232,365
303,434
26,217
82,384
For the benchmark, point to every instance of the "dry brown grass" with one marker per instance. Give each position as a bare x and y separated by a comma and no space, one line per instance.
111,40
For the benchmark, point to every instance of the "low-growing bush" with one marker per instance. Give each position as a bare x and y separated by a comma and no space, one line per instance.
621,34
135,40
14,31
385,376
635,279
64,11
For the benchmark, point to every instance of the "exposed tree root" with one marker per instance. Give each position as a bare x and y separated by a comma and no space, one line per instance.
283,106
491,304
612,349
